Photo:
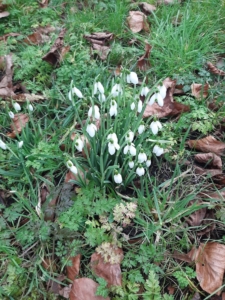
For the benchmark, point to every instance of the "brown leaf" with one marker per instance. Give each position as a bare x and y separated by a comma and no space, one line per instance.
100,43
200,171
65,292
53,57
110,272
48,264
85,289
41,35
210,266
196,296
214,70
170,107
18,123
196,218
199,91
208,144
44,3
219,179
6,82
182,256
143,62
5,36
168,1
137,21
73,271
4,14
210,159
147,8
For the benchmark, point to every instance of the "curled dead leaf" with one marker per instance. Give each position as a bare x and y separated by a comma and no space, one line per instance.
18,123
147,8
137,21
143,62
214,70
73,271
4,14
196,218
110,272
199,91
85,289
209,159
210,265
201,171
208,144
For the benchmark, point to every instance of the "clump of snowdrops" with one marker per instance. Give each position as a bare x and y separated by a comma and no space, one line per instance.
117,143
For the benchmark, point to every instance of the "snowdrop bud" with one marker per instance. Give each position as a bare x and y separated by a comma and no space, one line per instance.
77,92
144,91
3,145
155,126
159,99
95,88
129,136
96,112
79,144
132,78
152,99
101,97
148,163
91,129
69,164
140,106
116,90
132,106
73,169
140,171
142,157
141,128
131,164
100,87
20,144
11,114
30,107
158,150
118,178
16,106
162,91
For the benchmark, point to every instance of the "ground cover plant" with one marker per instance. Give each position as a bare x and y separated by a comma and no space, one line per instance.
112,149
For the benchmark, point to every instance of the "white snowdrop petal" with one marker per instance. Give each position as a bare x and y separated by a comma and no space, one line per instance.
101,97
30,107
77,92
162,91
111,148
140,106
79,144
3,145
16,106
20,144
141,129
128,79
73,169
131,164
160,100
152,99
11,114
142,157
95,88
140,171
118,178
148,163
133,78
154,127
100,87
132,106
132,150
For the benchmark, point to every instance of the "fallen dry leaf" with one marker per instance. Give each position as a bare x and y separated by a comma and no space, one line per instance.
85,289
6,82
100,43
214,70
4,14
147,8
199,91
5,36
143,62
18,123
73,271
110,272
53,57
196,218
170,107
210,265
137,21
41,35
209,159
48,264
65,292
43,3
219,179
196,296
208,144
201,171
168,1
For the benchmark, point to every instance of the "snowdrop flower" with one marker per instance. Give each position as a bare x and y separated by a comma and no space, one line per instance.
96,112
91,129
30,107
158,150
16,106
79,144
140,105
113,108
113,143
101,97
132,78
116,90
141,128
20,144
155,126
130,149
98,87
129,136
3,145
148,163
159,99
142,157
131,164
132,106
11,114
144,91
75,91
118,178
158,96
152,99
162,91
140,171
71,167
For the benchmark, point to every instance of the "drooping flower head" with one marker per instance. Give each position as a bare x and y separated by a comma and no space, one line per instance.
118,177
91,129
94,111
155,126
113,143
132,78
113,108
